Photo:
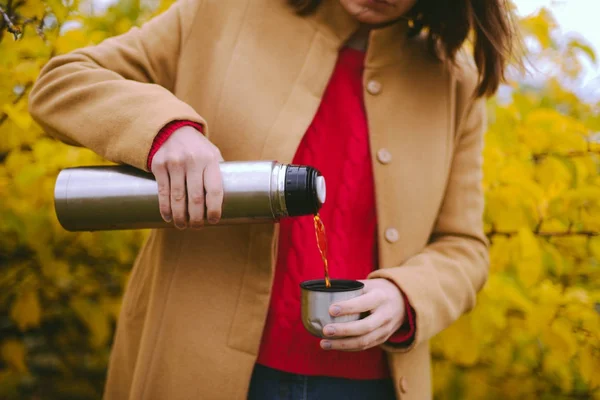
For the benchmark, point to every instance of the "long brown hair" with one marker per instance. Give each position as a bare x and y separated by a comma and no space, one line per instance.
448,24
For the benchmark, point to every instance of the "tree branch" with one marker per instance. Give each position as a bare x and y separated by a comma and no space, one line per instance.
545,234
15,30
580,153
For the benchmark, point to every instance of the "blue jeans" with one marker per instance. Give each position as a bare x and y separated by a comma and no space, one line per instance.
270,384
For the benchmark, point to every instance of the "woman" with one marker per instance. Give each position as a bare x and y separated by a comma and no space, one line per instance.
376,95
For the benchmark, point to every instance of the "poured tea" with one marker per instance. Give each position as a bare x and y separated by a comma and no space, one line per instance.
322,244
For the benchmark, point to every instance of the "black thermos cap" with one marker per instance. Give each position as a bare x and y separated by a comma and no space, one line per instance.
301,197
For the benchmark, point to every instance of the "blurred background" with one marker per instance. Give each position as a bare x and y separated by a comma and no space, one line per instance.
535,333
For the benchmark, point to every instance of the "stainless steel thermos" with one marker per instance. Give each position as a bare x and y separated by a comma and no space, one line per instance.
121,197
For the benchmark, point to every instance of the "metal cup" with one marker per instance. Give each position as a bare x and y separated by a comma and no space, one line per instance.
317,298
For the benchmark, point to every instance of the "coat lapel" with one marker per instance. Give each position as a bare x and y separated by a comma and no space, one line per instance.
333,27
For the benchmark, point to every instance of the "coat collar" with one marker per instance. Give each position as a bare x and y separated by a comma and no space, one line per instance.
385,44
335,22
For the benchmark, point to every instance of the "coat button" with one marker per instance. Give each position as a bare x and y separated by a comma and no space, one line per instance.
391,235
374,87
403,384
384,156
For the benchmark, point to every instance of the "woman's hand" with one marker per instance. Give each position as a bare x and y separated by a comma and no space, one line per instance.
384,301
187,172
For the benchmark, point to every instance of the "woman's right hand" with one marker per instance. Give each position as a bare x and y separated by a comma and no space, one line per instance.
189,180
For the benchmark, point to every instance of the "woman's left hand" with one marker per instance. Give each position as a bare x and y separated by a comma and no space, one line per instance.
385,303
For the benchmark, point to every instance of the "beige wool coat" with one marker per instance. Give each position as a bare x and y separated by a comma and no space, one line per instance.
253,73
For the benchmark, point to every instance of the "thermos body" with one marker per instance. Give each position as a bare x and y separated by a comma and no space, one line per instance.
121,197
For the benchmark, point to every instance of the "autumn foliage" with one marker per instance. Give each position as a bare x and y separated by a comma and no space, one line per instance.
534,334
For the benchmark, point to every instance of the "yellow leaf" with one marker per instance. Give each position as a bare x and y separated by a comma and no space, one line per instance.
557,369
501,353
443,373
517,299
163,6
504,208
33,8
26,71
26,310
540,26
559,338
547,130
122,25
111,307
589,218
548,292
71,40
56,270
501,254
554,175
465,353
20,117
539,319
95,319
529,265
586,48
572,247
565,378
553,259
576,294
589,365
595,247
60,10
13,353
478,387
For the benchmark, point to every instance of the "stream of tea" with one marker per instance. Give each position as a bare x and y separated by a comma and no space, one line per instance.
322,244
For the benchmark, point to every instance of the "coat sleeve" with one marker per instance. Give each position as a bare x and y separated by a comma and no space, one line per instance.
115,97
441,282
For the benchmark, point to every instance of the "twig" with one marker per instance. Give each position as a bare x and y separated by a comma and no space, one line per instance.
546,234
39,25
575,153
15,30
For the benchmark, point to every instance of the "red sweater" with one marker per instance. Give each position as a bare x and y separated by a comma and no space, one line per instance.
337,144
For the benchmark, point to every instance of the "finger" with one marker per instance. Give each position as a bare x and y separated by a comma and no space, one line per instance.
159,169
356,328
363,303
219,156
370,285
357,343
178,197
213,184
195,195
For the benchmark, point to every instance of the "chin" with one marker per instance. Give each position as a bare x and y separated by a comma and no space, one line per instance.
372,18
377,12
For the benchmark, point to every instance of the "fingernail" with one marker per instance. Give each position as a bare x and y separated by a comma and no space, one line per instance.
329,330
180,226
168,218
335,310
213,220
325,345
